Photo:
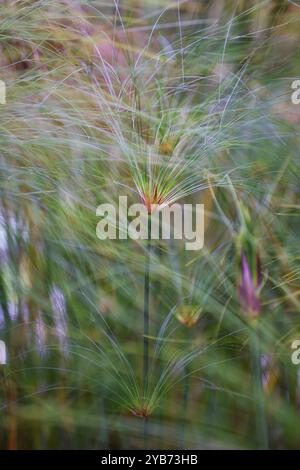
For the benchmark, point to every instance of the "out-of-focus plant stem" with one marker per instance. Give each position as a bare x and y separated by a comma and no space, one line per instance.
258,392
146,327
10,400
186,395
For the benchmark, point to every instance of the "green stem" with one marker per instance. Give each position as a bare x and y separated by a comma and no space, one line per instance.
258,392
146,311
186,392
186,395
146,324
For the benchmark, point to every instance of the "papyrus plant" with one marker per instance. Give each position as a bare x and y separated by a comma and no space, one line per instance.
250,283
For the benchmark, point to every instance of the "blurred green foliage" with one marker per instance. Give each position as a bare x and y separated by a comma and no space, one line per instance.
191,99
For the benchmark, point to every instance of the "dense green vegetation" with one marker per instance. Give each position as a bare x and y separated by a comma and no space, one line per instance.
163,101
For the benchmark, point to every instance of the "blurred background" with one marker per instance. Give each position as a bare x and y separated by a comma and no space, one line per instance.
186,100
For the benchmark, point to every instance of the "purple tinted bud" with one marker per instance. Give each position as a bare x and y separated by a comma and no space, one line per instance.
248,289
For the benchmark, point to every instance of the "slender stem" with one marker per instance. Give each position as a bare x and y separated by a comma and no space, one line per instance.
186,396
258,391
146,432
146,324
186,392
146,310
